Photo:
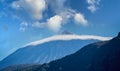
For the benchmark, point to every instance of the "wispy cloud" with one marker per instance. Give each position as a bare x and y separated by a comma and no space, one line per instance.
37,24
93,5
23,26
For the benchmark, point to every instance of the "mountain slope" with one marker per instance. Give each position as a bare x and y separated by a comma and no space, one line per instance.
100,56
46,50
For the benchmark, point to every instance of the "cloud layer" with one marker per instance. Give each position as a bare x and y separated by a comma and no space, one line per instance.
69,37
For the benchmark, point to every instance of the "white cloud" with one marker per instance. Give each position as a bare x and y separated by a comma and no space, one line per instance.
55,23
22,29
15,5
38,24
92,8
35,8
93,5
80,19
23,26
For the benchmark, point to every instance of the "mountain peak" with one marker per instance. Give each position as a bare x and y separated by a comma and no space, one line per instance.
65,32
118,35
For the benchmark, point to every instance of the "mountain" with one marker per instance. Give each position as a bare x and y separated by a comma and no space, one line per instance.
99,56
49,49
65,32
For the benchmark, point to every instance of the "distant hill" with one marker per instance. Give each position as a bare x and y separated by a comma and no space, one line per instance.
100,56
49,49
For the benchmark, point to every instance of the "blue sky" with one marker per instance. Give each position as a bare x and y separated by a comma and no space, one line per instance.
24,21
